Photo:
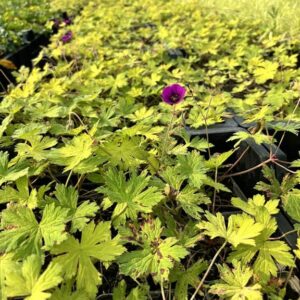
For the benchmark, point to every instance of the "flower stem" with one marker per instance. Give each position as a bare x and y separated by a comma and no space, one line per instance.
162,290
206,126
205,120
166,137
215,191
208,270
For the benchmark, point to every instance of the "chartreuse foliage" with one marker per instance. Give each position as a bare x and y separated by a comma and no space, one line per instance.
249,236
132,196
185,278
104,192
17,18
157,255
267,252
237,231
234,283
76,258
9,171
27,280
24,234
291,204
278,16
79,214
73,153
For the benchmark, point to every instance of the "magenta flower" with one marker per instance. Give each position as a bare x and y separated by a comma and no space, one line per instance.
67,21
56,22
173,94
67,37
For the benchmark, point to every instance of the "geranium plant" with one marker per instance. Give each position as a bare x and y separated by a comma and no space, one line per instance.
104,193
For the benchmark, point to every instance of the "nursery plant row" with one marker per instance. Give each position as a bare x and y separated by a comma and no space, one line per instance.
152,153
25,29
20,21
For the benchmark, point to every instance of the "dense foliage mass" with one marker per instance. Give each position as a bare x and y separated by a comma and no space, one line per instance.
17,18
104,192
280,16
22,20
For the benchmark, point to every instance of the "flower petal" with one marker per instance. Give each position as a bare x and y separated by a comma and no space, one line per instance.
179,90
167,93
67,37
173,94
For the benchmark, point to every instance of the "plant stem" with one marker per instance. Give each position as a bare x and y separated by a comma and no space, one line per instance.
206,126
68,179
288,122
205,120
290,274
162,290
104,296
166,137
80,121
51,175
79,182
237,161
215,191
4,89
208,270
3,73
283,235
284,161
283,167
248,170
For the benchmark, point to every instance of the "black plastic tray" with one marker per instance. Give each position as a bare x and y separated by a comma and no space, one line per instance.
290,144
22,57
243,185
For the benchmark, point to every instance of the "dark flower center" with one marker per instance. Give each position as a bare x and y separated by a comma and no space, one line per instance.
174,97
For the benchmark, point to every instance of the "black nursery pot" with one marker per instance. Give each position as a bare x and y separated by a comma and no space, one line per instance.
252,154
28,36
22,57
290,145
177,53
253,157
217,133
241,122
